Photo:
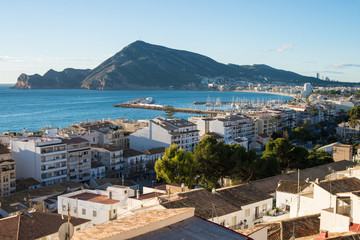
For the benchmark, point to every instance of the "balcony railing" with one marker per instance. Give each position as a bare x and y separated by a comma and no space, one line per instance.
258,215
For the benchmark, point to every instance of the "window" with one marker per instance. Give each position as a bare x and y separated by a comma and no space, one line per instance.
114,211
247,212
222,223
84,211
94,213
75,210
264,207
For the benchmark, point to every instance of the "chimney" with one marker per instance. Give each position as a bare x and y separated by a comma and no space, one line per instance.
323,235
182,187
317,181
137,194
24,131
110,195
123,181
213,191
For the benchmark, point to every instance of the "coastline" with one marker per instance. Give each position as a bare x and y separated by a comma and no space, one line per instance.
274,93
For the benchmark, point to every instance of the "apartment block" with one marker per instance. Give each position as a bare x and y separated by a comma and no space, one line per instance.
100,133
78,159
7,172
44,159
163,133
230,127
135,162
112,158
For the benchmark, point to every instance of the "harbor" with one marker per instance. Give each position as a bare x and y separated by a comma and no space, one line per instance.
164,108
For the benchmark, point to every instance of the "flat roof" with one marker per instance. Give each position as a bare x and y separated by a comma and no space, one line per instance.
92,197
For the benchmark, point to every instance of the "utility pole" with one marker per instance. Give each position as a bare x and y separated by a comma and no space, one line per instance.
298,201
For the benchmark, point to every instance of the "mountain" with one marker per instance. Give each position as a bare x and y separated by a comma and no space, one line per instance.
142,65
69,78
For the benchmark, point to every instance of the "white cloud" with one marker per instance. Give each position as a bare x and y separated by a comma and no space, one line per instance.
344,65
283,48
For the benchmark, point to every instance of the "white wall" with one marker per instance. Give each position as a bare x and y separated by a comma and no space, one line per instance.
283,198
355,209
217,126
334,222
149,137
240,215
27,160
104,212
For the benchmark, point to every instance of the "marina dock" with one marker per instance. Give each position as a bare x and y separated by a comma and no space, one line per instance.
163,108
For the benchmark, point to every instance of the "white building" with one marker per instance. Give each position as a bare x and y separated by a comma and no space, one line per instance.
335,199
235,207
78,159
96,205
163,133
229,127
100,133
43,159
307,90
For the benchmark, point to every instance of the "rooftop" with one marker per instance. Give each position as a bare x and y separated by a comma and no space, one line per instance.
193,228
270,184
113,181
204,202
92,197
74,140
263,135
96,165
28,227
26,196
154,151
158,224
129,152
172,124
340,185
300,226
24,184
291,186
3,149
215,135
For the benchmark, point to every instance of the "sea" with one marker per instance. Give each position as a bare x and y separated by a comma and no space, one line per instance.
34,109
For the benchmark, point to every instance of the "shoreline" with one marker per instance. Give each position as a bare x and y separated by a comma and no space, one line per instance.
274,93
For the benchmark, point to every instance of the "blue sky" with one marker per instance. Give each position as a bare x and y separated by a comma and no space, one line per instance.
302,36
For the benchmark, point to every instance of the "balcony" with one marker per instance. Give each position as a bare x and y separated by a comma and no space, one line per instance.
258,216
54,159
51,177
54,168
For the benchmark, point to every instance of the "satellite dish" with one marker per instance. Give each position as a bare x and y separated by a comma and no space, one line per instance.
66,231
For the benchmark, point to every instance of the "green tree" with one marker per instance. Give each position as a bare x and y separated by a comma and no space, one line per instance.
354,113
280,148
266,166
299,158
240,164
302,133
177,166
169,112
213,160
317,158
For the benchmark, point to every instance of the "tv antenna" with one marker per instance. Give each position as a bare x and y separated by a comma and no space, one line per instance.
66,231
